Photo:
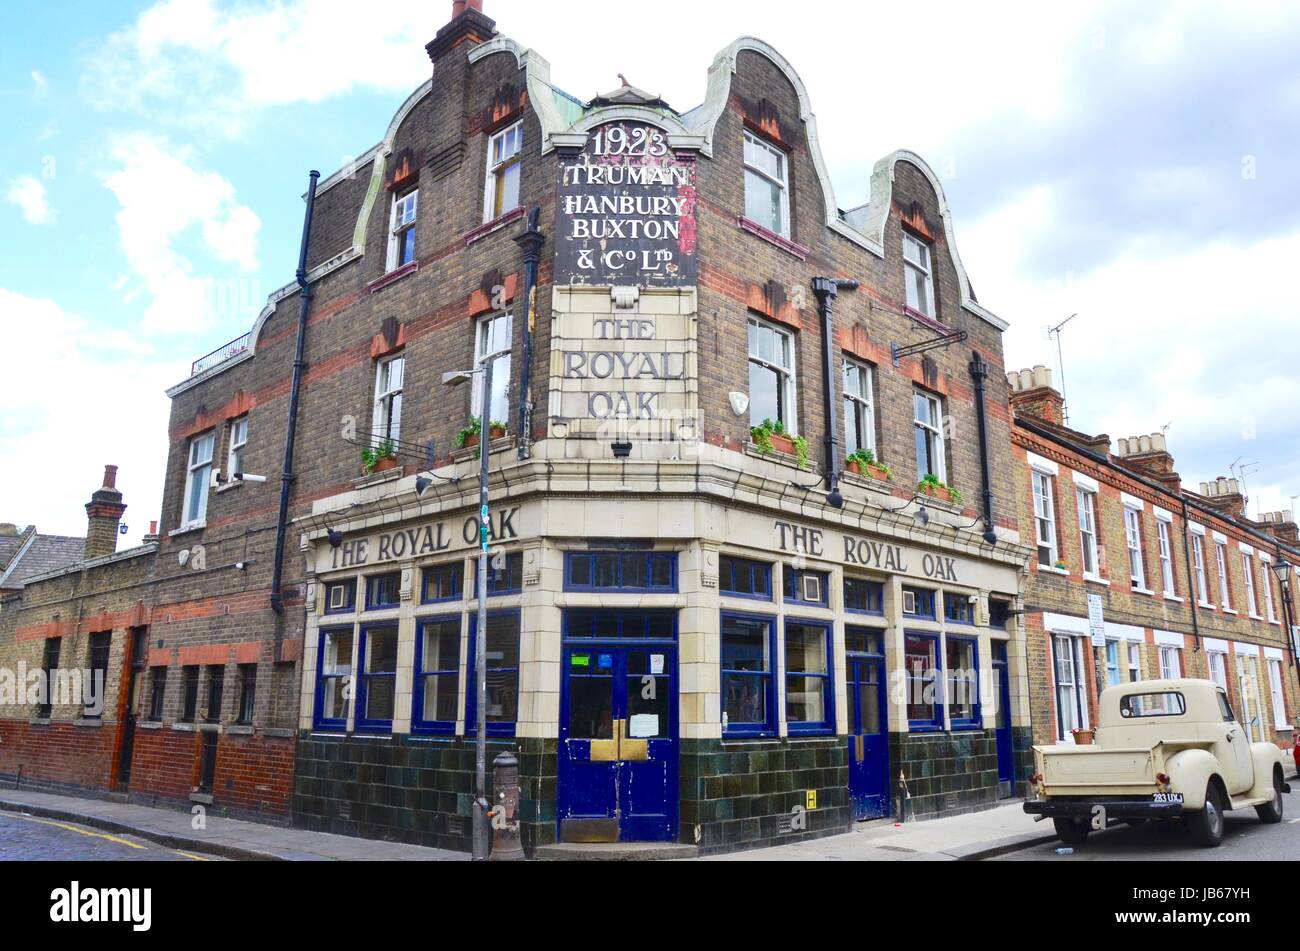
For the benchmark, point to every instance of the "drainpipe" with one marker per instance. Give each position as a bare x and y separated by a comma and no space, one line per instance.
979,371
531,242
287,477
1193,591
1288,613
827,289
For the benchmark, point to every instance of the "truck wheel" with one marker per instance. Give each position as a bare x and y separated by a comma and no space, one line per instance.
1071,831
1272,813
1206,826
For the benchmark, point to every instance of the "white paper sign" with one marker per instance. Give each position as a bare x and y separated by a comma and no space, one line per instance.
656,664
643,726
1097,620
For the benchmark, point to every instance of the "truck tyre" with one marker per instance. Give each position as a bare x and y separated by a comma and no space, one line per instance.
1272,812
1071,831
1206,826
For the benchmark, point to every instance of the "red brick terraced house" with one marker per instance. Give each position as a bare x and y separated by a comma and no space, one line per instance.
1186,584
753,534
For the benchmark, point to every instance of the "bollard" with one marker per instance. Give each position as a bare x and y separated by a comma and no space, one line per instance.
506,846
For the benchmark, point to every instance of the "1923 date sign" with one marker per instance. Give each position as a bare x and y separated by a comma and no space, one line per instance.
627,211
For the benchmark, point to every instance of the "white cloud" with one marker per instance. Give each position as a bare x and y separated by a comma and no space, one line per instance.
164,202
28,193
87,397
39,79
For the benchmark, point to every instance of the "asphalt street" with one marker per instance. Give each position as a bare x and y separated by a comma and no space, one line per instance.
31,839
1245,838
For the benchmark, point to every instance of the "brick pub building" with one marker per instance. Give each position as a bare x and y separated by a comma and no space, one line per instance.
1185,582
701,631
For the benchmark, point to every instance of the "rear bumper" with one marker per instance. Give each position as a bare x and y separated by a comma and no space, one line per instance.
1115,809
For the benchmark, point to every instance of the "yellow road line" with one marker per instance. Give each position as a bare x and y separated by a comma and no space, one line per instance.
197,858
72,828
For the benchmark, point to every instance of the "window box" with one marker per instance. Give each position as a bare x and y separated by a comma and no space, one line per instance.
941,492
870,470
495,431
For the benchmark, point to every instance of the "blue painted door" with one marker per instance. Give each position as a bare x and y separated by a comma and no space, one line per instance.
868,733
1006,755
618,743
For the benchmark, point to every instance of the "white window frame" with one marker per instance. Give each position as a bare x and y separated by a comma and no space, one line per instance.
1221,562
511,137
198,477
918,269
1134,662
933,431
1086,500
1166,545
1248,570
862,406
780,181
1275,690
494,340
1202,581
238,442
387,420
786,375
1044,516
1171,664
1112,650
1073,691
1218,663
1133,538
1270,606
402,218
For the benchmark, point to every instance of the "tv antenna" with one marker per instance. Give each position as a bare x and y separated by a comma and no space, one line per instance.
1241,470
1060,362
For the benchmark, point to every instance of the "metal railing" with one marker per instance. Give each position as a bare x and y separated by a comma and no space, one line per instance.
221,354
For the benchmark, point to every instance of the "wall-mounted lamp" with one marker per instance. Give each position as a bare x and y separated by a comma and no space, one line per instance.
422,485
622,450
335,538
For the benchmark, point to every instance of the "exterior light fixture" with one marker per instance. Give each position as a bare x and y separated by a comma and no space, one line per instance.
335,538
922,517
422,485
622,450
1283,571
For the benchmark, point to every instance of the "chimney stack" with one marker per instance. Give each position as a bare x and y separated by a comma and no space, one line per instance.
1149,456
468,26
1282,527
103,513
1032,395
1225,495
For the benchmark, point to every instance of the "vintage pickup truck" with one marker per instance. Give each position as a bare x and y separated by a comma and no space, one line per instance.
1163,749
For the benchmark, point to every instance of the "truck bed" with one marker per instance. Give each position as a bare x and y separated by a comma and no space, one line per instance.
1095,771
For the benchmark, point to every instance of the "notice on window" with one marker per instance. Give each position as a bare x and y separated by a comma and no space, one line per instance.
643,726
656,664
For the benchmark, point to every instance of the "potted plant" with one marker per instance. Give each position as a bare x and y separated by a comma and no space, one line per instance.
472,434
379,458
1083,737
771,436
863,462
932,487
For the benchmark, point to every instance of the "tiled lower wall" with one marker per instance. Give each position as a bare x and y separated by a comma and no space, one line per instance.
945,773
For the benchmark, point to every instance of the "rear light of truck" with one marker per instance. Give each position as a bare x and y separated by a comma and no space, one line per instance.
1035,778
1163,779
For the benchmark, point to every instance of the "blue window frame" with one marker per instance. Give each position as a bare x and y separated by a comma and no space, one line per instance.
867,641
963,679
796,585
748,675
436,696
958,609
923,672
604,625
742,578
341,597
503,631
443,583
999,613
864,597
638,571
1112,664
377,678
384,591
809,686
334,686
924,603
508,581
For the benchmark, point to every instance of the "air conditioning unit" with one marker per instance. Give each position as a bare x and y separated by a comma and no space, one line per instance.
909,602
810,587
338,597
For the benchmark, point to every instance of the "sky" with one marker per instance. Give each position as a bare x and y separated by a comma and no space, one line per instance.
1135,165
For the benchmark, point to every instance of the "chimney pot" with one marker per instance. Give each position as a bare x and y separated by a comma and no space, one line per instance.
110,477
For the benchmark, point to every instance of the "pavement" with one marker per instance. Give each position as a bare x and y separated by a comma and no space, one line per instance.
226,838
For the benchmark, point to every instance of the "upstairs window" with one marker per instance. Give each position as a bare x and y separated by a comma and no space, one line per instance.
1198,558
959,608
492,343
504,163
197,478
805,587
1221,561
930,457
389,376
1166,559
916,271
767,191
627,571
1270,606
384,591
1133,538
864,597
238,440
771,375
859,407
401,234
1248,572
504,581
1088,530
742,578
919,603
443,583
1044,519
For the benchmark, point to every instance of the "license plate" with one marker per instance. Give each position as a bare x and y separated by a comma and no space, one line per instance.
1171,797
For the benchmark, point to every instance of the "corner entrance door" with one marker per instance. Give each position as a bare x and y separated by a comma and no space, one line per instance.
1006,754
868,736
618,742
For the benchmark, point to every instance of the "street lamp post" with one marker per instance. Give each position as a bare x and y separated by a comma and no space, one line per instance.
1283,571
480,820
